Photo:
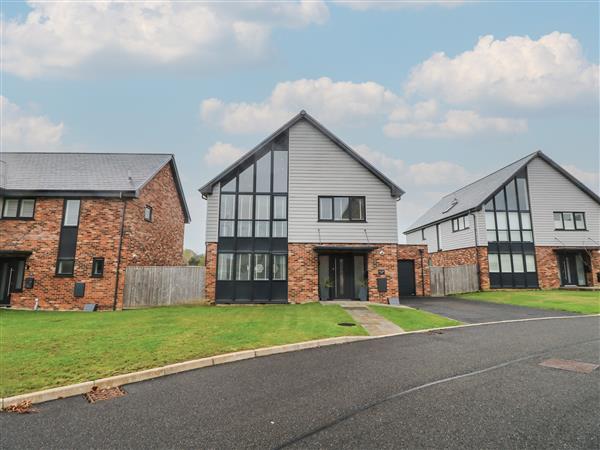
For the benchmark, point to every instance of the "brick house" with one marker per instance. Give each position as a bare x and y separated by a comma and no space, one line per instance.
303,217
71,223
530,224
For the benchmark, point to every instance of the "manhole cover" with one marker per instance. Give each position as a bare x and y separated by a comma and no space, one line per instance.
96,395
566,364
346,324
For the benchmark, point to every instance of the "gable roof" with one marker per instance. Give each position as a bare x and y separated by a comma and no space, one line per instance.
83,174
473,196
395,190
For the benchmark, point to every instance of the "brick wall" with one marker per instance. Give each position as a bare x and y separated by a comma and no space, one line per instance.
421,265
547,267
303,277
463,256
156,243
210,262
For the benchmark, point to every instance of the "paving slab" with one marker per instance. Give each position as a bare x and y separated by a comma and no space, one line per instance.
375,324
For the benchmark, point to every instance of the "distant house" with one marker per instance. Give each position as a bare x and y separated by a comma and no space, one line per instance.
530,224
71,223
303,217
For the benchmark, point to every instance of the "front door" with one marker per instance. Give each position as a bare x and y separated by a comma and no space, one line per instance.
572,270
406,277
343,269
11,278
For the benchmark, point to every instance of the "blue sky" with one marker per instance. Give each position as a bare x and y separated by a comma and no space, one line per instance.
206,81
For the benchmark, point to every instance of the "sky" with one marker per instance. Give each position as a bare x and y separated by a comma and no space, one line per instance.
436,94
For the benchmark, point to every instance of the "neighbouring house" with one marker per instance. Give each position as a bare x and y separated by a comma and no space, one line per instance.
530,224
303,217
71,223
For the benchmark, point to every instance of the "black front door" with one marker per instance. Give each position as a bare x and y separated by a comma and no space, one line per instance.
572,271
406,277
11,278
343,268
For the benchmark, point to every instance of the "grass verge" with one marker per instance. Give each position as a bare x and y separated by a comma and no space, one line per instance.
45,349
584,302
413,319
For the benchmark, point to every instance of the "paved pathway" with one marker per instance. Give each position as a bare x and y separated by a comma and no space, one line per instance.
475,387
375,324
472,311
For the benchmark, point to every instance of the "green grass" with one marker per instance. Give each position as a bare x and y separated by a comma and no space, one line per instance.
584,302
40,350
413,319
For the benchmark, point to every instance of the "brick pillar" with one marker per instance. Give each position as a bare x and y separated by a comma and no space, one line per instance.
547,268
484,269
210,273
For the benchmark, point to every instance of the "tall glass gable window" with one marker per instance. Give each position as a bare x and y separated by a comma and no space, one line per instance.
511,250
253,210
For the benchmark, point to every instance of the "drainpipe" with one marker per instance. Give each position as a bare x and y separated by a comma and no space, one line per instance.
422,273
119,251
477,250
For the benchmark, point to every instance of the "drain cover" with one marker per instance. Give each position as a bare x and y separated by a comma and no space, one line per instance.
566,364
346,324
96,395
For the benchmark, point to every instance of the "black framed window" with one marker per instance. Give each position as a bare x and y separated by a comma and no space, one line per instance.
342,209
225,266
65,266
67,246
261,266
569,221
17,208
460,223
148,213
280,267
97,267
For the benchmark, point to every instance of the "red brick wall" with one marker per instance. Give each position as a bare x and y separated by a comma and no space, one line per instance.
303,277
462,256
595,263
210,264
412,252
157,243
547,267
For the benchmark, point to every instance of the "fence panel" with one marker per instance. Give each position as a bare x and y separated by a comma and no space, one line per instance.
159,286
454,280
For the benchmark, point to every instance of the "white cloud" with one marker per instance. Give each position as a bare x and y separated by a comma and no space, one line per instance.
436,173
517,71
386,5
222,154
591,179
454,123
330,101
62,37
23,131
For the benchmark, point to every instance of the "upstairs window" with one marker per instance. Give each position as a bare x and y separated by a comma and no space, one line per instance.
148,213
569,221
507,216
342,209
460,223
71,216
18,208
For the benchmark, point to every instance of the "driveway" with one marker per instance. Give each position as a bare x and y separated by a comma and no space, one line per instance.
475,387
472,311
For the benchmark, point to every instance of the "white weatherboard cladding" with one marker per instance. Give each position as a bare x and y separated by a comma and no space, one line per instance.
212,214
317,166
550,191
450,240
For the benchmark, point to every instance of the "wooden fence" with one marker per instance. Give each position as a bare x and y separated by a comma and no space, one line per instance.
454,280
159,286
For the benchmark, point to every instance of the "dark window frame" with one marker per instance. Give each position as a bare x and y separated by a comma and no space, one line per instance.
19,208
349,197
60,240
456,223
562,217
94,261
146,209
423,234
62,222
64,275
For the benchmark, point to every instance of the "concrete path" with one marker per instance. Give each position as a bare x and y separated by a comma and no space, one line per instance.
375,324
472,311
476,387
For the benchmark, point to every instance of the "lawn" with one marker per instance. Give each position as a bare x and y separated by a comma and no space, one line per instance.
584,302
40,350
413,319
